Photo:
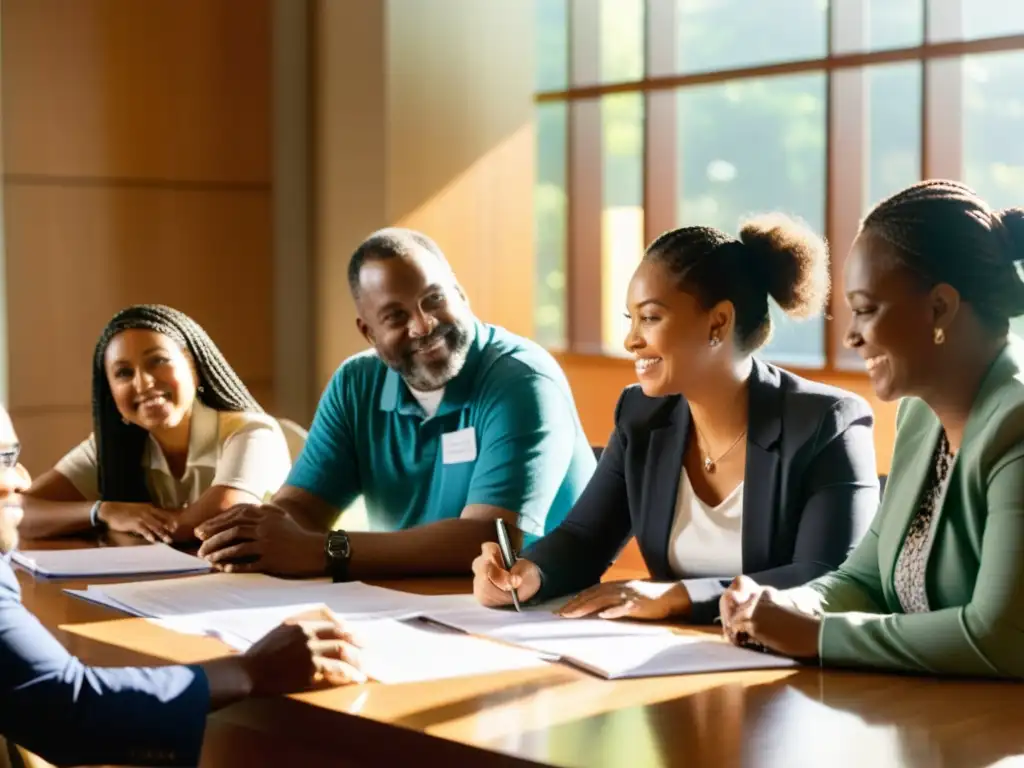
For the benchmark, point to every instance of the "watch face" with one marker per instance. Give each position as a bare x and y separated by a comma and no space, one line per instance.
337,546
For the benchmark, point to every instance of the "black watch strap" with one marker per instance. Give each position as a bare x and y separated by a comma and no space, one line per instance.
338,550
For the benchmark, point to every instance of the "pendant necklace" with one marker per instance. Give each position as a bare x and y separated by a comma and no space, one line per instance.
710,464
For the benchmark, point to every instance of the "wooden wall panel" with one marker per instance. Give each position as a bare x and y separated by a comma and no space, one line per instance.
460,141
161,89
46,435
137,146
78,254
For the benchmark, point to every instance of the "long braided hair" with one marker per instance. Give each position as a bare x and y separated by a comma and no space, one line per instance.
119,446
945,233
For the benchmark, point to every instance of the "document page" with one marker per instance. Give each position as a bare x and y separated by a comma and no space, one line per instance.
109,561
392,651
231,591
536,623
617,658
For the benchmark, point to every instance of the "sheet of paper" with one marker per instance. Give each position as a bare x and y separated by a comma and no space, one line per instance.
232,591
109,561
385,654
536,623
652,656
239,628
412,651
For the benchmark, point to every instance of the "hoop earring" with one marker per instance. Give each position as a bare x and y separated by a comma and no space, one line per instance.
939,336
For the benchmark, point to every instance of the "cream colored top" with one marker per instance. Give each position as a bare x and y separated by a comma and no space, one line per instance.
705,540
246,451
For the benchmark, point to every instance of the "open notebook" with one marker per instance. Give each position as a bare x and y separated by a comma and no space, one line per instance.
610,649
108,561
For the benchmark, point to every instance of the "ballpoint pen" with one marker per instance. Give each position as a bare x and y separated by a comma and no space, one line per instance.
507,555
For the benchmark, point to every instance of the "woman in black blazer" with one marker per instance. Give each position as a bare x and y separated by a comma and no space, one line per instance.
718,463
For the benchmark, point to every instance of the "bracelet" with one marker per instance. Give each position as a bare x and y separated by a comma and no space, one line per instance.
94,515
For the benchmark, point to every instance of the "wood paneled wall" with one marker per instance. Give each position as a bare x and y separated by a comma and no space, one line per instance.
137,153
436,134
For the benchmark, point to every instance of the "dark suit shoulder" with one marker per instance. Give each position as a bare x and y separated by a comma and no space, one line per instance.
811,402
635,411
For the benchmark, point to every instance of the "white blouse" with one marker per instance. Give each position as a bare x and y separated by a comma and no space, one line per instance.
246,451
705,540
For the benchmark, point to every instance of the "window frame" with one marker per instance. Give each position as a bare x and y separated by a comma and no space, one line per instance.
846,115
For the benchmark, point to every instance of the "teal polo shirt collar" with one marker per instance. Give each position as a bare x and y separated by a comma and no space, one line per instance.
395,396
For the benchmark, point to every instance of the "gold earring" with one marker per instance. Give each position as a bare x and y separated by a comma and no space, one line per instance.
939,336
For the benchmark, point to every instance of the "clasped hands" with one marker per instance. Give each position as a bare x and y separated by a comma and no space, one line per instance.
261,538
753,615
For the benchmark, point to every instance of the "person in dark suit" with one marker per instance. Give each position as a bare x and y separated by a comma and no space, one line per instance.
719,464
66,712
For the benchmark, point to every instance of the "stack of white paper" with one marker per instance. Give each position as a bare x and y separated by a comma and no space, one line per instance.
400,647
233,591
537,624
391,651
109,561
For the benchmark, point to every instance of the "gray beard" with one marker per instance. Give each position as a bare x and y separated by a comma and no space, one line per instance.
423,379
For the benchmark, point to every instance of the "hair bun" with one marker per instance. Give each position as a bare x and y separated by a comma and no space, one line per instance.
1012,220
791,259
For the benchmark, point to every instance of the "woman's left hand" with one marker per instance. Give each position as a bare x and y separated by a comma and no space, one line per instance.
630,600
776,626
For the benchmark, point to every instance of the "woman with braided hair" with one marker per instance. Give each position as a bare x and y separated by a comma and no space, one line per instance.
719,463
937,584
177,438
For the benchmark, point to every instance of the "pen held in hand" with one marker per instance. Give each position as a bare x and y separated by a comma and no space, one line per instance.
507,556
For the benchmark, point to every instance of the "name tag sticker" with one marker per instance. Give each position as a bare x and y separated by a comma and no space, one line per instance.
458,447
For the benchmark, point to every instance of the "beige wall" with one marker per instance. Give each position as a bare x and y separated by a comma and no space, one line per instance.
137,149
435,133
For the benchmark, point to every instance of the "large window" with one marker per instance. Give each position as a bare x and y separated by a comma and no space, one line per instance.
654,114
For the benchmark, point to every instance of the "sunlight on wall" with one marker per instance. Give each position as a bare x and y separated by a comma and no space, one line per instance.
622,238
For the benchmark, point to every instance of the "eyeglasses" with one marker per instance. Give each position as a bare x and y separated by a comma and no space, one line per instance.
9,456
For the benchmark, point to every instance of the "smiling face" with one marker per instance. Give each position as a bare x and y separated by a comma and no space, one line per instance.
151,378
894,317
13,480
670,332
417,318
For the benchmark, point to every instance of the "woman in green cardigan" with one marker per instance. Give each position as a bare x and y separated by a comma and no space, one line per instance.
937,584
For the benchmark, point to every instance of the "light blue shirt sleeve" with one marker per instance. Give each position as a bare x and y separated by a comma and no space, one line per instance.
328,466
525,445
68,713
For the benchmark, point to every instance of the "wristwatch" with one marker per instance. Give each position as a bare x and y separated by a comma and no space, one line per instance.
339,551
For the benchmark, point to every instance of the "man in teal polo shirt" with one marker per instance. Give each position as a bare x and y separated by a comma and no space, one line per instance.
447,425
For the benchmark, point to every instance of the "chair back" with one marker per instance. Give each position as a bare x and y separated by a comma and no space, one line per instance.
295,436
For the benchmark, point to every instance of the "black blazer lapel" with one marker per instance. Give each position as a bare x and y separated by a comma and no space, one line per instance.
761,477
662,472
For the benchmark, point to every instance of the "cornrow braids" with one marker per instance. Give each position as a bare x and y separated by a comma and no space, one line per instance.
943,231
119,446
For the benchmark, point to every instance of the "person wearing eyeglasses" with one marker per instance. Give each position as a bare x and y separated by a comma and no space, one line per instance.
69,713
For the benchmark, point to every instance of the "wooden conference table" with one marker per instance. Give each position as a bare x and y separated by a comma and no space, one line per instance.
559,716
